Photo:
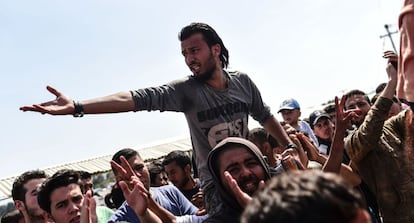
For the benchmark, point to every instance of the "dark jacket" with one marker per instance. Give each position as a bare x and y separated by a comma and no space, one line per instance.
380,150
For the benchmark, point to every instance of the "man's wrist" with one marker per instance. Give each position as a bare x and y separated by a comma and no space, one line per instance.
292,146
78,109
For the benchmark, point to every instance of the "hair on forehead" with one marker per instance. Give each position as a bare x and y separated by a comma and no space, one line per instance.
61,178
357,92
179,157
18,189
127,153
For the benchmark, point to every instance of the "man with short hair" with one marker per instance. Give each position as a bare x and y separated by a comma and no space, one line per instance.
177,165
167,200
61,197
306,197
359,100
238,169
215,102
24,193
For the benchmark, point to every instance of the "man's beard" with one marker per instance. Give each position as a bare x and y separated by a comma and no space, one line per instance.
184,182
210,67
252,181
34,217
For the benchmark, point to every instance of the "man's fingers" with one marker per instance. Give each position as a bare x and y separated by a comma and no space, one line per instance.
124,187
28,108
138,183
119,169
35,107
304,140
232,182
53,91
128,169
40,108
389,53
261,185
342,102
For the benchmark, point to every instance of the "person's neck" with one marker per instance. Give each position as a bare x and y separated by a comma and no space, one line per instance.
190,184
219,80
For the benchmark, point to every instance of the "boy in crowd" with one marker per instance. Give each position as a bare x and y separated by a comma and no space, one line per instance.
290,111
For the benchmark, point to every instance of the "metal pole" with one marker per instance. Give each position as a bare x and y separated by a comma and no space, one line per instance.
390,36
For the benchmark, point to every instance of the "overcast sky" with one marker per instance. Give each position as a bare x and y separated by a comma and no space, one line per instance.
308,50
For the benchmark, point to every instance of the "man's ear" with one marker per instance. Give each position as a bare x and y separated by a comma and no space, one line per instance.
19,205
216,49
187,169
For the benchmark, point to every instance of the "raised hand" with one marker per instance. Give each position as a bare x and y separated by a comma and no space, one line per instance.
392,58
61,105
92,206
198,200
241,197
88,210
299,154
136,195
312,151
125,171
344,118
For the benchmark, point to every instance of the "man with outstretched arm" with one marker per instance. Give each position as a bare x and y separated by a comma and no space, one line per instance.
215,102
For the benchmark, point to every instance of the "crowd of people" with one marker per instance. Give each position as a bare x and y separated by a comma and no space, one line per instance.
351,162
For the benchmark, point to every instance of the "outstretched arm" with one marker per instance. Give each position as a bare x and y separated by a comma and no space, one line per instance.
274,128
64,105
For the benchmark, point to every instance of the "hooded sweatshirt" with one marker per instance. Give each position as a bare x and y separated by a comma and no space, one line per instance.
231,210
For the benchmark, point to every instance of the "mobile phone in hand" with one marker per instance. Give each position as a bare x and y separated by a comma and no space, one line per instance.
395,64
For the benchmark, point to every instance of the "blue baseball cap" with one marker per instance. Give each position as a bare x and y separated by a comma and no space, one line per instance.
289,104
